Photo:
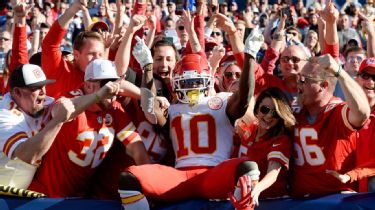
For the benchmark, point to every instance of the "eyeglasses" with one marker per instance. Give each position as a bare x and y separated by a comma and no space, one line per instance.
181,28
105,81
367,76
4,39
353,59
229,74
303,79
265,110
294,59
216,33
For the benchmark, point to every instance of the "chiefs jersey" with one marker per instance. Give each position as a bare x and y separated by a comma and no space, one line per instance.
153,139
277,149
17,127
79,148
202,134
328,143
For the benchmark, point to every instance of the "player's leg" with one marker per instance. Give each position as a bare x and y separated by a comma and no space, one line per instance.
217,182
131,193
154,180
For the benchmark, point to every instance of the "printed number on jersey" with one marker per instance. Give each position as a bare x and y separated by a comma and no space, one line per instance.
195,135
95,146
308,152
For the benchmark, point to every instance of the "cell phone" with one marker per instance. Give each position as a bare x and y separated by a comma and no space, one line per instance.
91,4
289,18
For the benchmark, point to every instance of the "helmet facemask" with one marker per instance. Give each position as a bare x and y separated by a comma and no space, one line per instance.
191,87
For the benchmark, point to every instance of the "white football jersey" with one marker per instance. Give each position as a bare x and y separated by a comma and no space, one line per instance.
202,134
15,128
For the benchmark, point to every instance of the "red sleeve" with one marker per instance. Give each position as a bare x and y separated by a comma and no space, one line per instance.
126,131
52,62
240,58
112,54
269,60
362,171
281,150
333,50
19,48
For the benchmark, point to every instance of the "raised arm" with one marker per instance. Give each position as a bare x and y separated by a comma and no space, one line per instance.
238,102
32,150
123,53
330,14
370,31
359,109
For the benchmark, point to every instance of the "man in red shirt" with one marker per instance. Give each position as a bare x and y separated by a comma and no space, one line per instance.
324,136
87,46
83,143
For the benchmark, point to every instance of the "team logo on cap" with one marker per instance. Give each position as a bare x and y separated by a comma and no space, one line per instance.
215,103
108,119
37,73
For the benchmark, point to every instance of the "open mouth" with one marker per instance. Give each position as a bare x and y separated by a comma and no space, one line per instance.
164,73
40,101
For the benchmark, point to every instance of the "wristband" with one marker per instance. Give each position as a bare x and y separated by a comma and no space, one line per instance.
337,74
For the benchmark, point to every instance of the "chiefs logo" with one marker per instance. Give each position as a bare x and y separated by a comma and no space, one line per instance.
370,61
37,73
108,120
215,103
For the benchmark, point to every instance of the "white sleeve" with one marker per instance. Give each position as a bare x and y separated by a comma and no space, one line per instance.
13,130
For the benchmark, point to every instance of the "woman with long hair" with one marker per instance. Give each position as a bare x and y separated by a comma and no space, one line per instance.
267,141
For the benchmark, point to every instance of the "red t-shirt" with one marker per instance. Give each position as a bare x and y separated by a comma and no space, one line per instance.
328,143
365,148
79,148
66,74
277,149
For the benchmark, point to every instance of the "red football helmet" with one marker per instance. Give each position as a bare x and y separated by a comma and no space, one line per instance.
191,78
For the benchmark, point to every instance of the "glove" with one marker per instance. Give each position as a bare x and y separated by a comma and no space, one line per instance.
242,200
253,42
142,53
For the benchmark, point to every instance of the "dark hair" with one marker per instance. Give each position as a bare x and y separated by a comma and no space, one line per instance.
355,50
83,36
165,91
161,43
283,110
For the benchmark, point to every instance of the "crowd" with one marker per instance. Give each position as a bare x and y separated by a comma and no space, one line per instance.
161,101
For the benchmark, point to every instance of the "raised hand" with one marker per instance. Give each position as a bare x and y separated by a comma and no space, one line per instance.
187,20
253,42
136,22
225,23
327,63
367,25
330,14
62,109
142,53
109,90
21,8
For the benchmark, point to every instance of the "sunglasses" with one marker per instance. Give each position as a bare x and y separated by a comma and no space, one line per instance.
265,110
230,74
353,59
308,80
105,81
216,33
367,76
294,59
181,28
4,39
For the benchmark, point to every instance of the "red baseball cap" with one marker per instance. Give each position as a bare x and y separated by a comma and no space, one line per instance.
367,64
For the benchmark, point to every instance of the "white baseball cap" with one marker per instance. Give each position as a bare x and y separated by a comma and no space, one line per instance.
100,69
28,75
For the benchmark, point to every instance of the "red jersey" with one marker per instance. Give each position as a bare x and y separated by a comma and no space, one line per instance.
79,148
277,149
328,143
68,77
365,147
